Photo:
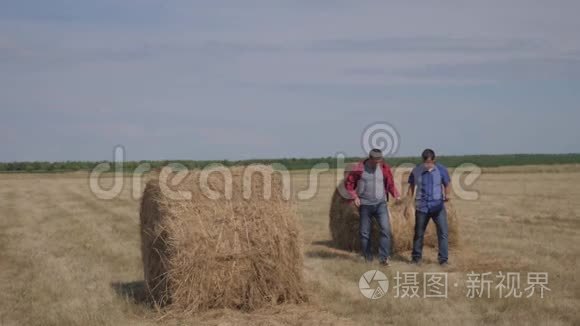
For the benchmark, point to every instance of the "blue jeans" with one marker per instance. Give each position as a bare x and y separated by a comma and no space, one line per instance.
421,220
381,214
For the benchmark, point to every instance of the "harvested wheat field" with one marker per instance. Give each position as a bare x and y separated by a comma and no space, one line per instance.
69,258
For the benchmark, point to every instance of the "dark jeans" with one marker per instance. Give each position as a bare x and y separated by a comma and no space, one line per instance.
421,220
381,214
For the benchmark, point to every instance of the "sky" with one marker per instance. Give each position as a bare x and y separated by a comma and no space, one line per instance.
270,79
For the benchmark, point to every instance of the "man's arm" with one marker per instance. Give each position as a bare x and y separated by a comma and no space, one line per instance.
350,184
447,189
411,191
446,181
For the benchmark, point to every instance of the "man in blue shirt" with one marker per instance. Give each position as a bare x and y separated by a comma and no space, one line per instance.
433,186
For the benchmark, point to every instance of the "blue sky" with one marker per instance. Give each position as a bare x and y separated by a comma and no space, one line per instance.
253,79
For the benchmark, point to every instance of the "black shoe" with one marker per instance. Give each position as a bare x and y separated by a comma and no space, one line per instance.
416,261
385,262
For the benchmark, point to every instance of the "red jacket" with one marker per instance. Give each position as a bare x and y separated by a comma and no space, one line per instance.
354,175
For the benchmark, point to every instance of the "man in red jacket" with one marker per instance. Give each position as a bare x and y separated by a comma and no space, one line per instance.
369,183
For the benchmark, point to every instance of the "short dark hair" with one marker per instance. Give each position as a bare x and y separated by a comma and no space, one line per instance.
428,154
375,153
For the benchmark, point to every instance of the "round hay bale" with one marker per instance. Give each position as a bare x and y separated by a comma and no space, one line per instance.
344,225
402,218
201,253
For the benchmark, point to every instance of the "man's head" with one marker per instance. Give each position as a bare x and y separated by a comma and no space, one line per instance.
428,157
375,157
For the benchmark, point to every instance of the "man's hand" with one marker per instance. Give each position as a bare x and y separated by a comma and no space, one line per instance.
447,192
357,202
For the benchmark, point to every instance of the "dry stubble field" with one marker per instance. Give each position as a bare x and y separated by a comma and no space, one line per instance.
68,258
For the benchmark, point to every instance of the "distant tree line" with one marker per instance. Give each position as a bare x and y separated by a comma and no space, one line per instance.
299,163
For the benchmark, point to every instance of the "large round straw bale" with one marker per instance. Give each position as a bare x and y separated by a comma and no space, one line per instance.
202,252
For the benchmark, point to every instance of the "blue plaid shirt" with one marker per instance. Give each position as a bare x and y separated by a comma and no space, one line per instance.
430,195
